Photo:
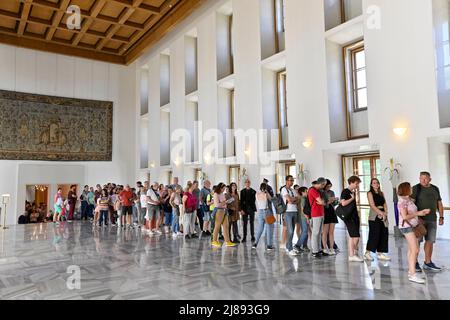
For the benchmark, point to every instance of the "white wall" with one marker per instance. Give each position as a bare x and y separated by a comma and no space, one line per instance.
50,74
401,92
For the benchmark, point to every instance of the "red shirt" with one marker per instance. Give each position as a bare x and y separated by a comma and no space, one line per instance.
317,210
125,197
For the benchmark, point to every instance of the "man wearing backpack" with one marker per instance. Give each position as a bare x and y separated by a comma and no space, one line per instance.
427,196
290,216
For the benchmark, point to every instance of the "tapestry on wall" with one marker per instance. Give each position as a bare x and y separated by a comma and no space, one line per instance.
37,127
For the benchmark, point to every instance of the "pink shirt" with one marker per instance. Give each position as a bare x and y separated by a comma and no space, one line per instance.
411,208
218,199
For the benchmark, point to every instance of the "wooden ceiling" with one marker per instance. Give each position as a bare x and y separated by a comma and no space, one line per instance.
116,31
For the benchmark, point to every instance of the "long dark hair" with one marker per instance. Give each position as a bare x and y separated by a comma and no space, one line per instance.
372,190
219,188
231,188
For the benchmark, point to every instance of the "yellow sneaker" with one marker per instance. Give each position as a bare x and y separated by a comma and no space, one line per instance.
230,244
216,244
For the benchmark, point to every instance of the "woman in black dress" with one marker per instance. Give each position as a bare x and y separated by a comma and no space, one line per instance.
330,220
378,228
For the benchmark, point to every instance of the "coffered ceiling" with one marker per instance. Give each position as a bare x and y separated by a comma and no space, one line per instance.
117,31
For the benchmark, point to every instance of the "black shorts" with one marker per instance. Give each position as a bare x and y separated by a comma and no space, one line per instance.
353,227
127,211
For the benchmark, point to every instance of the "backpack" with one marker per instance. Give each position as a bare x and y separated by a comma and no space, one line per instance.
279,204
307,206
191,202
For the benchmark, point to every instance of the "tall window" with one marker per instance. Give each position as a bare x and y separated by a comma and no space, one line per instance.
280,16
282,110
230,39
280,23
356,77
232,118
169,177
234,173
199,176
350,9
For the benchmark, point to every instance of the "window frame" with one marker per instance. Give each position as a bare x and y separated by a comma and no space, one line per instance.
351,78
279,7
280,75
230,168
230,39
232,115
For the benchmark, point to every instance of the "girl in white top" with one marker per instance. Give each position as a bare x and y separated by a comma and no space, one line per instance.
262,205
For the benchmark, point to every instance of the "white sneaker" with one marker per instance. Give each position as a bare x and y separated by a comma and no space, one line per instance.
150,232
293,253
368,256
158,232
355,259
174,235
332,252
414,278
383,257
179,234
283,246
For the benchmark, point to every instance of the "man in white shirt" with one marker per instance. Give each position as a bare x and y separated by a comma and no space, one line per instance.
153,206
290,216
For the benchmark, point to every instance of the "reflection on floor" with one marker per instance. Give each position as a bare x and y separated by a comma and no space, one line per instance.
34,261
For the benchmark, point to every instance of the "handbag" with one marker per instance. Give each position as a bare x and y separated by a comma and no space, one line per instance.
270,219
344,212
420,231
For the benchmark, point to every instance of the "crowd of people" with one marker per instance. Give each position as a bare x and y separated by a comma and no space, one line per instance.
34,213
213,212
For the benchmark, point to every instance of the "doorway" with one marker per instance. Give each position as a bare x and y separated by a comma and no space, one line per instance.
366,167
285,168
37,199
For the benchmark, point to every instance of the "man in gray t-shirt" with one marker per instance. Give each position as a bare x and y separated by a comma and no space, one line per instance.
427,196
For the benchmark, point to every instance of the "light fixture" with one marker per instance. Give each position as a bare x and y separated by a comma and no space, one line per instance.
177,162
40,188
307,144
247,152
207,159
152,165
293,156
400,131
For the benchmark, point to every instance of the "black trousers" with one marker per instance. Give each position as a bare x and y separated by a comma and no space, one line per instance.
200,218
233,228
378,237
249,216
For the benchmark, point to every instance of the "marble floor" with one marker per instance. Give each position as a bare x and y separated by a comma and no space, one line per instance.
35,260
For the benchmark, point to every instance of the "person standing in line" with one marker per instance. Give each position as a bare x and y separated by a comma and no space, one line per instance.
408,220
290,216
103,206
302,221
168,210
330,219
118,209
153,203
348,198
143,201
58,200
84,203
91,203
189,204
114,198
195,214
428,196
127,199
204,208
136,206
378,218
262,204
233,212
175,184
248,209
221,219
175,202
72,200
317,216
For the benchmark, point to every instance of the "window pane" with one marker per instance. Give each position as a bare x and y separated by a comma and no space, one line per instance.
362,99
360,58
361,79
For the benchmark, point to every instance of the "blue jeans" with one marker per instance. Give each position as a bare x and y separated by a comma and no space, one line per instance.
291,219
262,214
303,239
84,210
175,221
103,216
168,218
136,213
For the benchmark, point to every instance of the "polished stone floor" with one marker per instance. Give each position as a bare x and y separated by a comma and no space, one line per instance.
34,262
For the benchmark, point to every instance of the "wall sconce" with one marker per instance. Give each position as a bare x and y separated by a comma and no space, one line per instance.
152,165
307,144
400,131
247,152
177,162
293,156
207,159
